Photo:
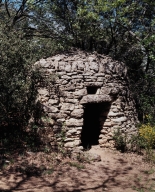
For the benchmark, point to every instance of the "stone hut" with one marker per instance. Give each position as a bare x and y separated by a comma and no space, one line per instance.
90,98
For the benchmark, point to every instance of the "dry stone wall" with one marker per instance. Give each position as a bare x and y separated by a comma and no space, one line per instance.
88,86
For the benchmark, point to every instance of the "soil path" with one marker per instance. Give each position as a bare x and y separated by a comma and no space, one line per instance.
116,172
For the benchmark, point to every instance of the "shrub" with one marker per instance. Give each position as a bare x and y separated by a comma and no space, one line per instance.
17,79
143,141
120,140
147,133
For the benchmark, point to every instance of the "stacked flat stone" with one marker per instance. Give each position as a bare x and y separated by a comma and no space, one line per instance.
64,102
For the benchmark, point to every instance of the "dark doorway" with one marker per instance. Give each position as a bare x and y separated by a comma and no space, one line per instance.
93,113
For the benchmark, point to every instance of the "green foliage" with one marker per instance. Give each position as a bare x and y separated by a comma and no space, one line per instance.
17,79
18,88
143,142
61,140
120,140
143,90
147,133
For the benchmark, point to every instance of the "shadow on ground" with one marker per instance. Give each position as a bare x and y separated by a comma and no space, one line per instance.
117,175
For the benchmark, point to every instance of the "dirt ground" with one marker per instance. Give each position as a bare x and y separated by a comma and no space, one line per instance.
116,172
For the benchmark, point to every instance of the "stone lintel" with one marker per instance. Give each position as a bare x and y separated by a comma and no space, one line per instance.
95,99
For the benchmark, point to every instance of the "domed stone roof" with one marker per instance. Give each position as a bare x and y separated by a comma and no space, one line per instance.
80,61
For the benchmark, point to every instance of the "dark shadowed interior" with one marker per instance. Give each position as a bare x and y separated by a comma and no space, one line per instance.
92,90
94,117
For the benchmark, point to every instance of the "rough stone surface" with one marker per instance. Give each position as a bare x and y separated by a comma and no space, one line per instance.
74,122
80,92
121,119
67,106
76,73
93,156
95,99
77,113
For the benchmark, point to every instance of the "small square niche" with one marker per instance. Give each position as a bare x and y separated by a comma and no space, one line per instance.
92,90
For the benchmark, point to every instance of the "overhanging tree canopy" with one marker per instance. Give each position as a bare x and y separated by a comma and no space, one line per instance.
120,28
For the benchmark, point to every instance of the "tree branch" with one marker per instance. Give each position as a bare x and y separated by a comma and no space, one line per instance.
7,9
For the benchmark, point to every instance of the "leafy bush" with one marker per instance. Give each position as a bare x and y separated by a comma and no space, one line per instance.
17,78
18,89
120,140
143,142
144,91
20,112
147,133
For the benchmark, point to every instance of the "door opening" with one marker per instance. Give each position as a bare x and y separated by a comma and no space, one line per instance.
94,117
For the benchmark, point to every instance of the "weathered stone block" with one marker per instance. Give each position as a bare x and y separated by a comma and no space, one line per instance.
62,65
80,92
107,124
94,84
69,88
65,77
77,113
102,141
80,65
114,91
104,131
67,107
43,63
68,68
62,115
60,120
79,128
100,79
92,58
72,130
50,109
79,77
95,99
94,66
113,114
105,90
119,120
72,144
74,66
74,122
71,100
60,73
53,101
64,82
43,91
